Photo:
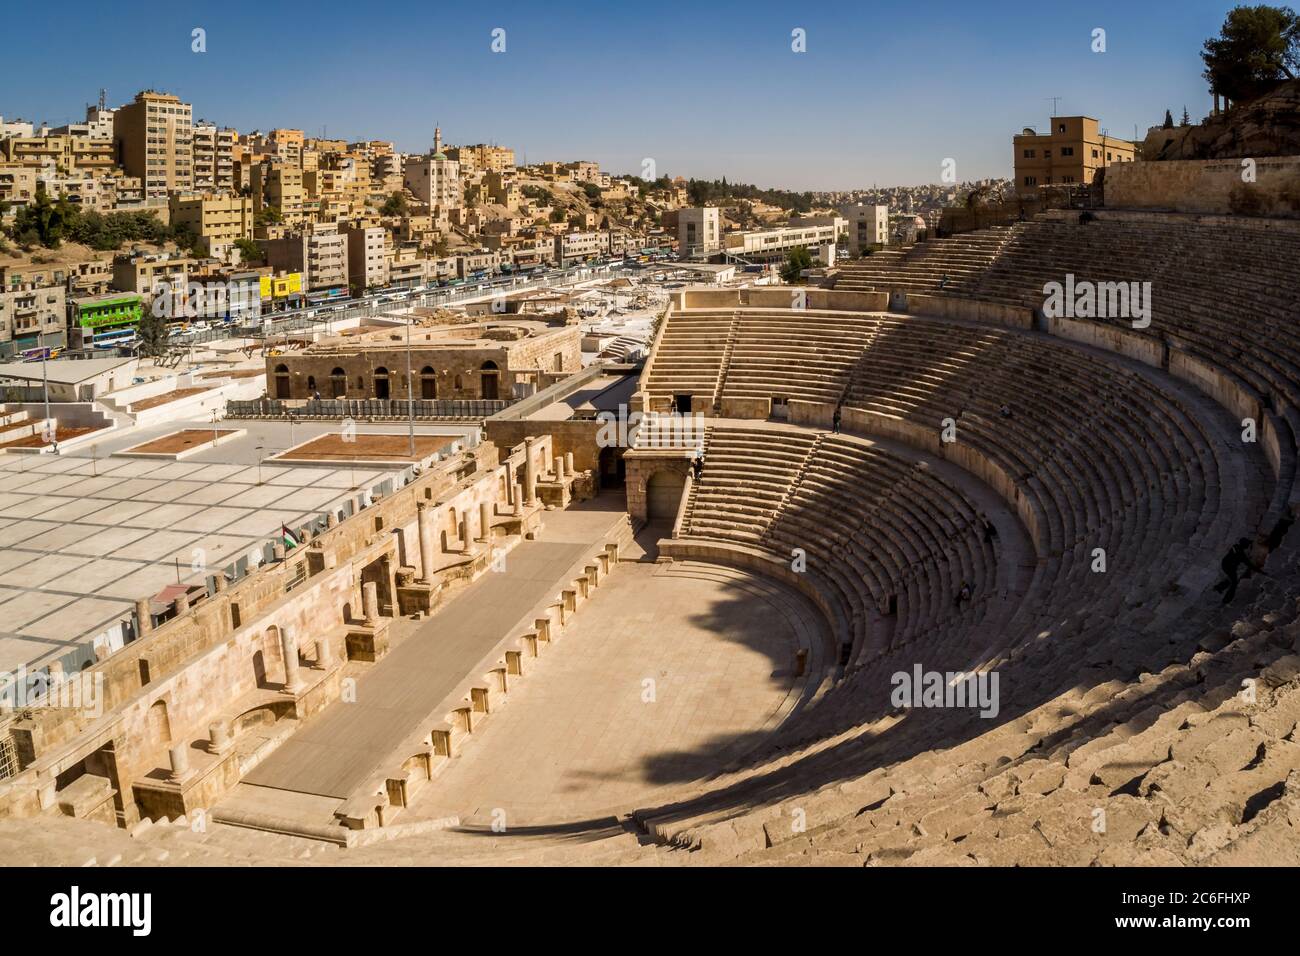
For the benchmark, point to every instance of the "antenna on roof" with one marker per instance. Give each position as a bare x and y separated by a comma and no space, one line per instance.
1055,102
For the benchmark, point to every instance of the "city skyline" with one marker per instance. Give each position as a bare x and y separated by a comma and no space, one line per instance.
589,85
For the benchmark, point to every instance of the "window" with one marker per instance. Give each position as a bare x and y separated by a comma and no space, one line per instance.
1029,153
1031,180
1047,154
1096,153
1060,128
1067,150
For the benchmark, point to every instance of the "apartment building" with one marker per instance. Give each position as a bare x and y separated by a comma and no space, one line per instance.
148,273
218,221
319,252
94,315
1070,154
573,247
59,152
368,256
279,186
699,230
214,162
867,226
287,145
153,137
32,314
17,183
482,158
98,125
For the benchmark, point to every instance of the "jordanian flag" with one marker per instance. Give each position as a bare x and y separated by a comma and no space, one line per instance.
290,540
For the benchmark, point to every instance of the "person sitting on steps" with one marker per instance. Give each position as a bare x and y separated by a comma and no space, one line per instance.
1237,556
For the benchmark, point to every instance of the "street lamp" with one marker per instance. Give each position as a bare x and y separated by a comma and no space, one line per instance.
410,389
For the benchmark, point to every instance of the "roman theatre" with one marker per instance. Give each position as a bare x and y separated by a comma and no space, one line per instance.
551,647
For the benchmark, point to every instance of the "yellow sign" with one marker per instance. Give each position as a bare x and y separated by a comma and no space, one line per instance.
278,287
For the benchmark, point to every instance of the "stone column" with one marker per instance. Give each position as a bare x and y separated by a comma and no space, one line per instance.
424,530
179,757
289,648
144,617
530,471
519,500
219,740
510,483
559,468
467,533
484,521
568,463
370,602
324,656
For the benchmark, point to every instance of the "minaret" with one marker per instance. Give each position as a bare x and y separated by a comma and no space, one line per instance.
437,140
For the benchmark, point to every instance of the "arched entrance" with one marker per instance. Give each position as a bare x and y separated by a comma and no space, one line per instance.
381,382
338,383
488,376
282,381
428,383
663,494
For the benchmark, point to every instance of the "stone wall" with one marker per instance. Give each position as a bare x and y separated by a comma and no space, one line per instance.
166,688
1208,186
457,372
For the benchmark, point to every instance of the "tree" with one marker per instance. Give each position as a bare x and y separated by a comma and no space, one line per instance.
152,333
268,215
1169,120
395,205
45,220
1187,120
1258,48
796,260
249,250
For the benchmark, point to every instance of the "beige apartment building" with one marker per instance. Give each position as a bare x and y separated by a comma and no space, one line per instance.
580,246
144,273
218,221
66,153
288,144
1070,154
154,140
319,252
17,183
214,166
482,158
867,226
368,256
280,186
29,314
699,230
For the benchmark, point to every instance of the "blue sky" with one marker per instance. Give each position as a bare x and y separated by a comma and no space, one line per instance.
884,93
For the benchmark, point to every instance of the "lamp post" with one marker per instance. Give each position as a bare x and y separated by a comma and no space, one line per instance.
410,389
